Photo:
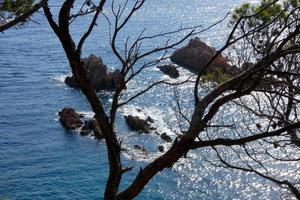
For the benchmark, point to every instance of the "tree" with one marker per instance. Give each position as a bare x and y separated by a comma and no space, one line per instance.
275,62
265,44
17,12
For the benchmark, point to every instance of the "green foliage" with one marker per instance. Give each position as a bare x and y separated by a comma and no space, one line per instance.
271,16
217,76
17,6
265,11
241,11
269,13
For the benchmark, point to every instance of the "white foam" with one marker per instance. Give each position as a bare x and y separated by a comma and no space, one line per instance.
155,113
87,114
132,153
60,79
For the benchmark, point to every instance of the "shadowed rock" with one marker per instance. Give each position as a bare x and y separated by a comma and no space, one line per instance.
91,126
137,124
161,148
69,118
100,77
141,149
165,137
197,54
169,70
71,82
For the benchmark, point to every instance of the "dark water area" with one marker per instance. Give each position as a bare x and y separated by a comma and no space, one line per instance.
40,160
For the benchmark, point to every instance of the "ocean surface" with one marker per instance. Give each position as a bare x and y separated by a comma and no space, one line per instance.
40,160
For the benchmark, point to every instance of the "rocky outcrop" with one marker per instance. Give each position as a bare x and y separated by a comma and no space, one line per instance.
72,120
137,124
196,55
165,137
140,148
100,77
169,70
69,118
71,82
161,148
91,126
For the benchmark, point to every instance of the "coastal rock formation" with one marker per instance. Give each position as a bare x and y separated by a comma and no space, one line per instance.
140,148
197,54
71,81
72,120
169,70
137,124
69,118
161,148
100,77
165,137
91,126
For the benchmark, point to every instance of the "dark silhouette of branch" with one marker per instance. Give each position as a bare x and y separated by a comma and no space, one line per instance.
23,17
281,99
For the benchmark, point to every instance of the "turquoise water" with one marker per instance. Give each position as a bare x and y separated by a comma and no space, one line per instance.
40,160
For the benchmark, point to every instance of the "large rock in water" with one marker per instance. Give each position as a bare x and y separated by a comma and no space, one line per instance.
100,77
91,125
72,120
166,137
138,124
197,54
169,70
69,118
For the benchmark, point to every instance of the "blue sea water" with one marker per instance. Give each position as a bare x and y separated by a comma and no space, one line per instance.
40,160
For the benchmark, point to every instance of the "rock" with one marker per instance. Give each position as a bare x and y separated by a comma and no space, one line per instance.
137,124
161,148
71,82
86,128
84,131
69,118
118,80
165,137
149,119
169,70
179,136
100,77
124,149
97,131
140,148
197,54
91,126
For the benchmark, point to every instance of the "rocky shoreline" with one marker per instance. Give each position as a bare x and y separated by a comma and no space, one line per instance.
86,126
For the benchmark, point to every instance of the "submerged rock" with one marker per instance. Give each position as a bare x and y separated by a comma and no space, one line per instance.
169,70
137,124
165,137
140,148
197,54
100,77
91,126
161,148
149,119
69,118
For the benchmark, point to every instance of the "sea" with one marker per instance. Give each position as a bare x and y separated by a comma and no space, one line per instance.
39,159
